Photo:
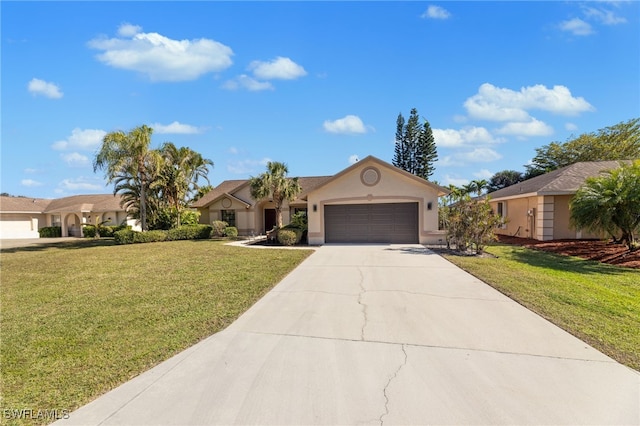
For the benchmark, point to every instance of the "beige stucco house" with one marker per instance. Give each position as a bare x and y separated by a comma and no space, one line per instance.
538,208
22,217
371,201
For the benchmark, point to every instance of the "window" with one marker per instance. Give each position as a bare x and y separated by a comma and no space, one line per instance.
56,220
502,212
229,216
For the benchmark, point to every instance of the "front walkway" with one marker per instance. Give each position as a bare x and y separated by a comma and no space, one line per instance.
379,334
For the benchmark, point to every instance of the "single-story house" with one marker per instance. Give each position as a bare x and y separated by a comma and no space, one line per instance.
370,201
538,208
22,217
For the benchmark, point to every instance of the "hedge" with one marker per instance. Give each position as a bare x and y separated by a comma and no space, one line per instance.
231,231
105,231
185,232
50,232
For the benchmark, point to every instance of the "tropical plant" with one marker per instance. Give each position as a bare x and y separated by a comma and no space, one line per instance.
178,176
127,159
610,203
469,222
275,184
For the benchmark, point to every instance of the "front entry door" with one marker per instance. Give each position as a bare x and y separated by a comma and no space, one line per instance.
269,219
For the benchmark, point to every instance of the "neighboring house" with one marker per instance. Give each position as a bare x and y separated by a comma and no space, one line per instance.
22,217
371,201
538,208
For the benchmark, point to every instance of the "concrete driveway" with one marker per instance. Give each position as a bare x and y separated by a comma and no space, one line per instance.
379,334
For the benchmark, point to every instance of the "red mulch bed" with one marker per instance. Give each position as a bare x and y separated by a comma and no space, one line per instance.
597,250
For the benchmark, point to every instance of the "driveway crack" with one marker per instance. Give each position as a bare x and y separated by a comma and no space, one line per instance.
362,304
386,387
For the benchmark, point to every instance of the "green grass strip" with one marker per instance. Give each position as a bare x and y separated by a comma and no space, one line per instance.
595,302
78,319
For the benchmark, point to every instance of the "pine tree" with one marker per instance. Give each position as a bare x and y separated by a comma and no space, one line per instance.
415,148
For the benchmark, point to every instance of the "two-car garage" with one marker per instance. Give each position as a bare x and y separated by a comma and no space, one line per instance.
395,223
372,201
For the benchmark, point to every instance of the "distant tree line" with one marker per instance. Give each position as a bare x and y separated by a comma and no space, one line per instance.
617,142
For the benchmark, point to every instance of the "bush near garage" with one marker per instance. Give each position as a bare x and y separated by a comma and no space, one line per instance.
287,237
50,232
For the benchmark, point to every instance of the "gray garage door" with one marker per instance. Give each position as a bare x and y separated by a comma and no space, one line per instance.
371,223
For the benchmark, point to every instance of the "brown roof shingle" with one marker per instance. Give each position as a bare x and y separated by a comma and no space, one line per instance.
566,180
23,204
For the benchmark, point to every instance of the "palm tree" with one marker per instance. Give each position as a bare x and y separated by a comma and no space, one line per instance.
610,203
126,157
480,185
179,175
275,184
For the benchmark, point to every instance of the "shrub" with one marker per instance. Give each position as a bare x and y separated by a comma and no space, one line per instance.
150,236
287,237
190,232
89,231
50,232
231,231
124,236
299,230
218,228
300,220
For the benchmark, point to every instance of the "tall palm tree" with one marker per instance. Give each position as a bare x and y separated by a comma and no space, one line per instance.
127,157
480,185
275,184
179,175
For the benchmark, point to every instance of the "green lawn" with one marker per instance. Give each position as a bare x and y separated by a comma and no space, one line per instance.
80,318
598,303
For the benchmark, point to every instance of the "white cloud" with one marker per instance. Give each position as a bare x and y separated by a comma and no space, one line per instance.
577,26
75,159
456,138
478,155
161,58
501,104
31,170
86,140
350,124
483,174
247,167
245,82
175,128
280,68
128,30
436,12
233,150
353,159
80,184
43,88
571,127
451,180
606,17
30,183
530,128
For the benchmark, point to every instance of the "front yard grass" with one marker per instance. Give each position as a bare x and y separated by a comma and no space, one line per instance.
595,302
78,319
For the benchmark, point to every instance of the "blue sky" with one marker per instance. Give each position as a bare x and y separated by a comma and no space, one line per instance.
312,84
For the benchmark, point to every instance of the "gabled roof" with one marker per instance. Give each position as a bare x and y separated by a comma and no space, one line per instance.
74,203
230,187
371,159
227,187
23,204
85,203
563,181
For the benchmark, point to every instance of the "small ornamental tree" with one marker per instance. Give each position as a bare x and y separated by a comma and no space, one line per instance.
470,223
